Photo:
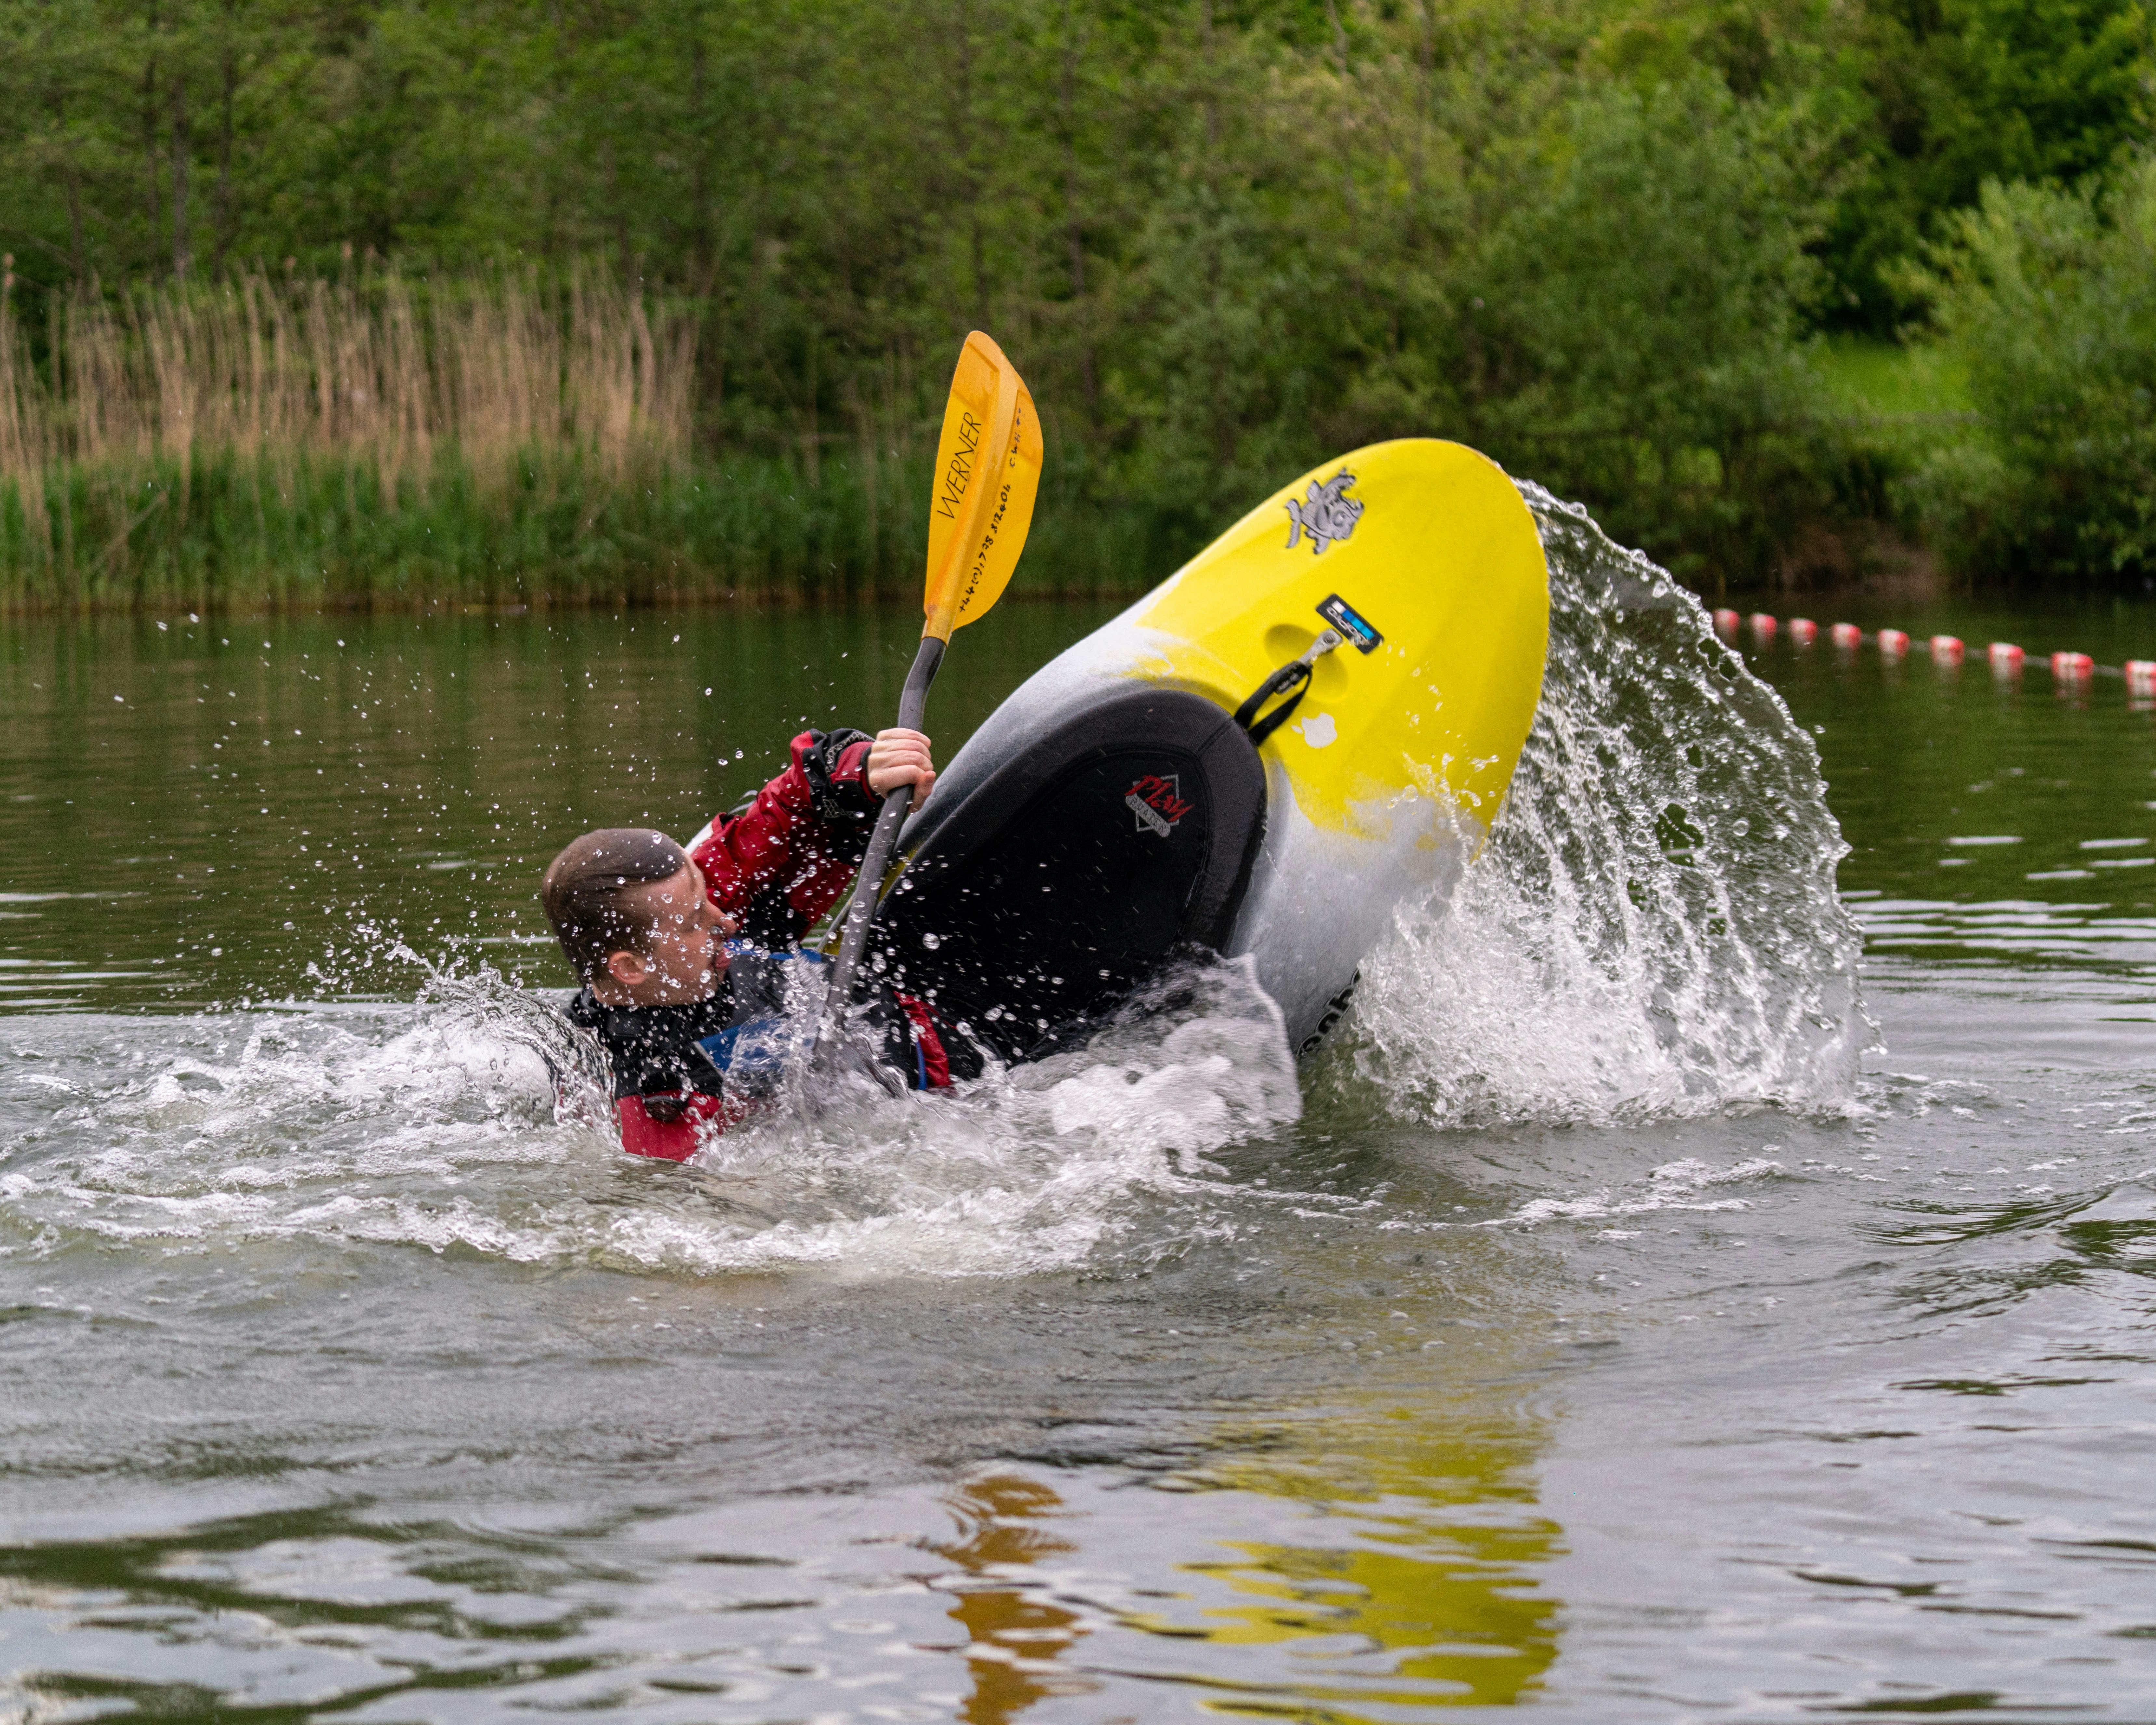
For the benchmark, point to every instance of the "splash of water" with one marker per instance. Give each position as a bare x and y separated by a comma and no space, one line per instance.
1653,927
1652,930
477,1121
1030,1168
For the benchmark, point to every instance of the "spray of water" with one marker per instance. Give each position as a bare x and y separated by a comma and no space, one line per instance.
1652,928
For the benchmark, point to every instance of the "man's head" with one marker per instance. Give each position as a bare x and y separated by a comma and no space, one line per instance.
630,910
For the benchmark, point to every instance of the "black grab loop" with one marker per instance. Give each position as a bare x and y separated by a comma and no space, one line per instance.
1294,674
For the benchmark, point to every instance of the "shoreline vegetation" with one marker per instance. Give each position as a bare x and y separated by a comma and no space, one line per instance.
481,438
398,304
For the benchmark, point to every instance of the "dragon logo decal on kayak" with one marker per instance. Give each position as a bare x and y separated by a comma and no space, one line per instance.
1157,803
1325,515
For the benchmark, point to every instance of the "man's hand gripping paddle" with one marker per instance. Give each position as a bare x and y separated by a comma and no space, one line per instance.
988,470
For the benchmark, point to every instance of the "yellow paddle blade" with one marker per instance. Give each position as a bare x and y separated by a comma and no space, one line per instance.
988,473
1010,516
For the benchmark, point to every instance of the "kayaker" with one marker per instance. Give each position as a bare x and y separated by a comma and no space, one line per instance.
692,1026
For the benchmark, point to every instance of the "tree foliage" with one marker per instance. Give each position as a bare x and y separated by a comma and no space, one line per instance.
1953,92
2048,303
1224,238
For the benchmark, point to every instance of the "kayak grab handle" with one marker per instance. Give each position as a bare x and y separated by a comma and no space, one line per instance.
1294,674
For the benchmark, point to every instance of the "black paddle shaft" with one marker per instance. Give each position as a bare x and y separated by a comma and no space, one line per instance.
868,885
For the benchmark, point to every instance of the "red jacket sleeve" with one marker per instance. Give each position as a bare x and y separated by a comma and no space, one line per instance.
786,859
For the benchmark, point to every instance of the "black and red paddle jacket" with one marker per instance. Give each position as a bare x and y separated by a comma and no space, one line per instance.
775,865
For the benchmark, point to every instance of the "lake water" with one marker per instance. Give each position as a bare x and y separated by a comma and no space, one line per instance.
1596,1327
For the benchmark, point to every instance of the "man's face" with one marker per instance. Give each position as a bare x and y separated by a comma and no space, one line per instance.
685,953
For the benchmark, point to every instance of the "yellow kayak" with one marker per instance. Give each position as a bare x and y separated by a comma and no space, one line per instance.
1315,716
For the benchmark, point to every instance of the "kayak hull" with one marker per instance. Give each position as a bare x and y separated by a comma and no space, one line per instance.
1385,777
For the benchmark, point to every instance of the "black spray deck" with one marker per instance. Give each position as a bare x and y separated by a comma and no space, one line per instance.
1041,892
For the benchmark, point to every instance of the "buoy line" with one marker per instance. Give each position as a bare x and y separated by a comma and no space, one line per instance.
2006,659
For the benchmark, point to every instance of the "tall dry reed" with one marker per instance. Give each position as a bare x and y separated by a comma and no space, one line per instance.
492,368
485,383
492,436
25,429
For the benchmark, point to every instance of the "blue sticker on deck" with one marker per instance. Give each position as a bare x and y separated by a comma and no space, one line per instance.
1351,623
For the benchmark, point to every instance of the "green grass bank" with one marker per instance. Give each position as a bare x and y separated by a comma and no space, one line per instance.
225,532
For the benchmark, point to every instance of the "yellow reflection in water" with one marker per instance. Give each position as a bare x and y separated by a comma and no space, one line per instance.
1350,1569
1417,1583
1015,1638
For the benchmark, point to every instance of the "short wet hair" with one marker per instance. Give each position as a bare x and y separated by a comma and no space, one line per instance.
586,884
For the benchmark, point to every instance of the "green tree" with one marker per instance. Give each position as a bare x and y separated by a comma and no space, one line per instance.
2048,301
1962,91
1633,324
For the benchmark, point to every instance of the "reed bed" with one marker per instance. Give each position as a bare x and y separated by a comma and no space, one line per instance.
487,437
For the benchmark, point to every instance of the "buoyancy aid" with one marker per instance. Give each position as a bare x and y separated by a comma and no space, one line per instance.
683,1073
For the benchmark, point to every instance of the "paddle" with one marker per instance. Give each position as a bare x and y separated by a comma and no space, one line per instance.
987,470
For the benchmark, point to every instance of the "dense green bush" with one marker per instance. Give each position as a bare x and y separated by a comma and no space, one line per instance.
1634,334
1949,94
1612,301
2047,300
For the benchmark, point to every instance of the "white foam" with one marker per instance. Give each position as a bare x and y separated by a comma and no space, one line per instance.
474,1122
